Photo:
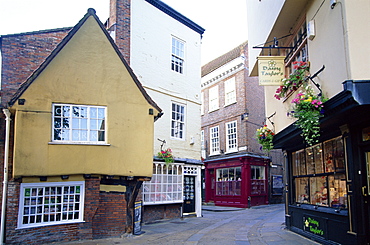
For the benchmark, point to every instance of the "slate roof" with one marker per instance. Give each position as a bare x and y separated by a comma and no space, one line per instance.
176,15
35,74
222,60
37,32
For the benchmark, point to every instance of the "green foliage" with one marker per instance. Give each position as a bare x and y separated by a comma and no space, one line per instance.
295,80
166,155
264,137
308,109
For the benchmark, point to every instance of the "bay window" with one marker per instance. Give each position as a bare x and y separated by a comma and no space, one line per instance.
165,185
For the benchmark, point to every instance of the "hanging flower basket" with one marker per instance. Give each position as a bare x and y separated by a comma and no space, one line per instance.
166,155
295,80
264,137
308,109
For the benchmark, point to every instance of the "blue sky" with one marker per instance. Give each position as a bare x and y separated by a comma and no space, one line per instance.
225,24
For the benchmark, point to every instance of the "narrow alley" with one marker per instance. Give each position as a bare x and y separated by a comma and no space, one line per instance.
219,225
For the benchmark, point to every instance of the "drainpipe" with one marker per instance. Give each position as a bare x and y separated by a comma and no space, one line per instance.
5,182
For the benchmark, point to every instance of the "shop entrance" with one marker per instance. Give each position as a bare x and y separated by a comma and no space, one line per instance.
366,192
189,194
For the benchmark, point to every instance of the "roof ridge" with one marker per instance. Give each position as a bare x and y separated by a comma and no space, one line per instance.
176,15
222,59
90,12
36,32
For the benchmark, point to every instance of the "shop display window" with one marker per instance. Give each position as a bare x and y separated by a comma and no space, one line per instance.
298,163
366,134
368,171
51,203
302,190
337,191
322,181
165,186
314,160
258,180
338,151
228,181
318,191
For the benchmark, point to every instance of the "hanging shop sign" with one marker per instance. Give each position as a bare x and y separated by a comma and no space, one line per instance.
271,70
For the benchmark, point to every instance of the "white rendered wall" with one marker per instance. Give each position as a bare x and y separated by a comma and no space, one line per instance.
151,40
261,17
339,44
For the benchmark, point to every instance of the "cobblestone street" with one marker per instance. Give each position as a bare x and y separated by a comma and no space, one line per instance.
219,225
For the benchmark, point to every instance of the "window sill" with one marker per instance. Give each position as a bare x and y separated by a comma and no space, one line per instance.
231,151
213,110
78,143
214,154
175,138
232,103
162,202
49,224
322,209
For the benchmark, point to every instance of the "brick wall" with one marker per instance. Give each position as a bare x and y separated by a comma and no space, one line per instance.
225,114
250,98
120,16
104,215
152,213
110,217
22,54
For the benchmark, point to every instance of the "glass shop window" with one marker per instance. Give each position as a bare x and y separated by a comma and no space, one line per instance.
258,183
319,174
228,181
366,134
302,190
165,186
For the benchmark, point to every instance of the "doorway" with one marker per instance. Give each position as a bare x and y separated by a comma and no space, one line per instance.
189,194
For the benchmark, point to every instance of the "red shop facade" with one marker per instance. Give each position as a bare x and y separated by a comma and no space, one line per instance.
237,181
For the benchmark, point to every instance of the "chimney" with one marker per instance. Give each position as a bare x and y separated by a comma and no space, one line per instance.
119,24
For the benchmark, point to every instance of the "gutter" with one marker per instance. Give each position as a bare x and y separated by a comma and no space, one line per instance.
5,182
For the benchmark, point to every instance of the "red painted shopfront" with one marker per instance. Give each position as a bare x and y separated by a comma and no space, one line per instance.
237,181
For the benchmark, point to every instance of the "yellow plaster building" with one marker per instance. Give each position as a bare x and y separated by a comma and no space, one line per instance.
83,127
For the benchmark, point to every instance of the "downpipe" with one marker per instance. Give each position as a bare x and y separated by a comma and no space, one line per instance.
5,182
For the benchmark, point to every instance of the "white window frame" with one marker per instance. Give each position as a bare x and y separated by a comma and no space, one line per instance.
213,99
202,103
41,201
166,185
178,120
178,55
79,125
231,136
214,134
299,48
203,149
230,93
